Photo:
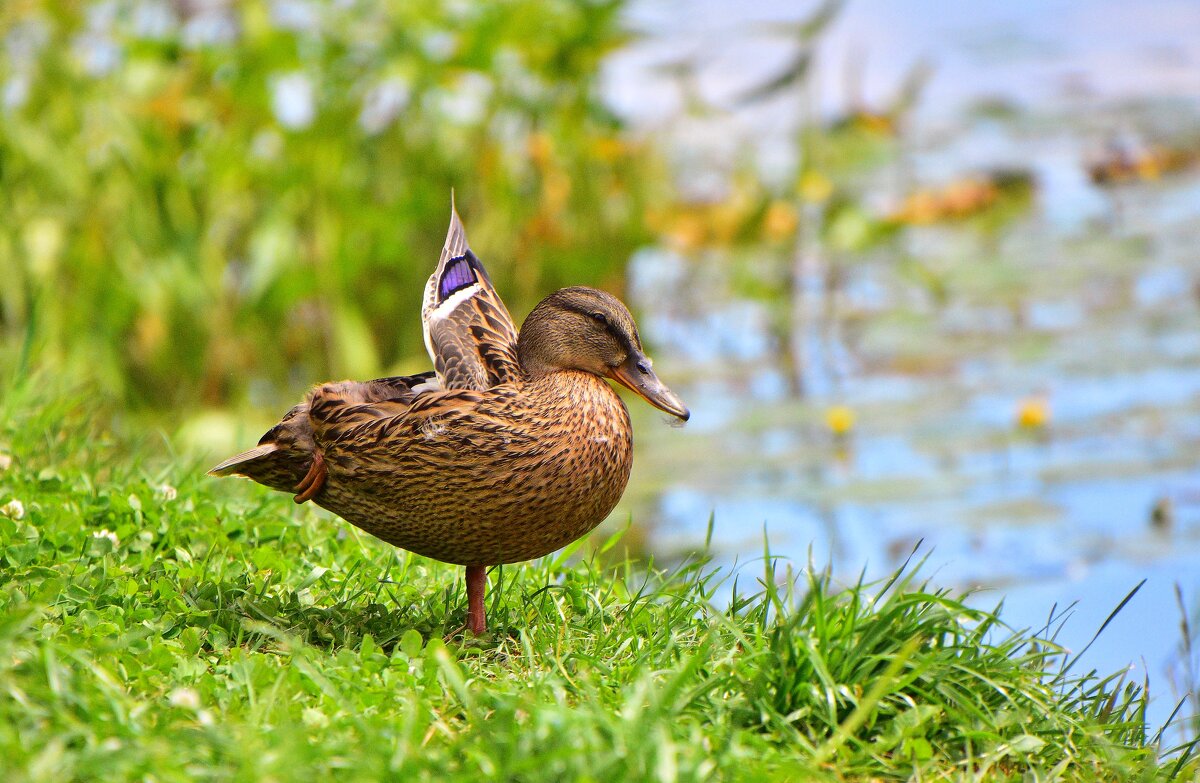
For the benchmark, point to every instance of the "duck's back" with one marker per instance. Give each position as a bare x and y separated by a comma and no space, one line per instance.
285,452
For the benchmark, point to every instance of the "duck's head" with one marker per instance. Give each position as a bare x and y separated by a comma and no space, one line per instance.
584,329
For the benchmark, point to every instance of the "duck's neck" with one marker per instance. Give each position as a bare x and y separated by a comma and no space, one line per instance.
536,370
533,348
576,393
534,356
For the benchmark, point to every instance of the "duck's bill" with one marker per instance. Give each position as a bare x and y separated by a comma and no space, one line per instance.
638,376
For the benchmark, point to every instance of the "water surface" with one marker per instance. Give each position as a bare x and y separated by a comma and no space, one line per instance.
1085,307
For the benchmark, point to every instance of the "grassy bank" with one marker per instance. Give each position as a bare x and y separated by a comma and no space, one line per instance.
159,625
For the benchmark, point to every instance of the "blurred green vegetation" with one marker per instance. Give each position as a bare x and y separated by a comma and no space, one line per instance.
209,207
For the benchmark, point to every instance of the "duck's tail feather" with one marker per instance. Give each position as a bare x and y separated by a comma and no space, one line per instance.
235,464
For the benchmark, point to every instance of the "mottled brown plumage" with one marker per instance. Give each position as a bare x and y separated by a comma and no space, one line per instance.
514,449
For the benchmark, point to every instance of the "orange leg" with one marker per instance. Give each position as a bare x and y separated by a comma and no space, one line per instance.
313,481
476,585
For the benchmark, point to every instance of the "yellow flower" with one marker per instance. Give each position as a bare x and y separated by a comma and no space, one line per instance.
687,232
968,196
1149,165
840,420
880,124
540,148
920,208
1033,413
780,221
815,187
609,148
724,221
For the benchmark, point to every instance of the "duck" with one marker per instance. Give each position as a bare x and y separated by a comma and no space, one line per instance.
512,447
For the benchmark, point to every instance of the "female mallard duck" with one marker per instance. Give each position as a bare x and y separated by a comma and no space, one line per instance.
515,446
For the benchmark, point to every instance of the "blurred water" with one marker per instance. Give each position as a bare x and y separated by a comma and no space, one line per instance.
1031,52
1087,307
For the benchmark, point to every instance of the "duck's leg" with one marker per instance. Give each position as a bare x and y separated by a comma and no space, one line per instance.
476,586
313,481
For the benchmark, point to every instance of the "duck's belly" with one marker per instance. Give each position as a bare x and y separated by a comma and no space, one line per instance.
474,493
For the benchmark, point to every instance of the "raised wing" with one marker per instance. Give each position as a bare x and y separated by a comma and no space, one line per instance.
469,334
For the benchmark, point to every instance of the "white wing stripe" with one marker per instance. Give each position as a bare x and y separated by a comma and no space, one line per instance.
443,311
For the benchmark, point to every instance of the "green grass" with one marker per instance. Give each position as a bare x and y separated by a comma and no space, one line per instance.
220,633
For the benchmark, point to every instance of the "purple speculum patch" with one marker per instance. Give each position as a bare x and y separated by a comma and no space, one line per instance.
459,274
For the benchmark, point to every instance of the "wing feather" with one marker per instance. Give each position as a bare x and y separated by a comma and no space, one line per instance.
336,408
469,333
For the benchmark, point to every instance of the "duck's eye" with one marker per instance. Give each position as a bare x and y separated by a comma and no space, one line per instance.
600,318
